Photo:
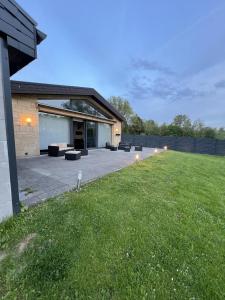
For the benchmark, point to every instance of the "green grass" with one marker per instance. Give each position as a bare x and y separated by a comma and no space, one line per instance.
155,230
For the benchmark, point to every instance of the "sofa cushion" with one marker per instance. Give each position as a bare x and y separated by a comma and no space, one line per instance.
66,148
73,152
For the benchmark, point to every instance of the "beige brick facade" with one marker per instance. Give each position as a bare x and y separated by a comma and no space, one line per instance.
116,133
26,126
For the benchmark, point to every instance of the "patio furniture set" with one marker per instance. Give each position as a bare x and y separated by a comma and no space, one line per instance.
123,146
67,150
70,153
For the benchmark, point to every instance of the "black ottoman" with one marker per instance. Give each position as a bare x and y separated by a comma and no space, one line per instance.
72,155
84,152
113,148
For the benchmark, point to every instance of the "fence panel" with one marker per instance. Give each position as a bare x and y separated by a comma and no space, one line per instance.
184,144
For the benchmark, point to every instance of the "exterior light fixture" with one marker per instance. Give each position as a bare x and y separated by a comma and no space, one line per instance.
28,121
79,178
137,157
156,150
117,132
165,147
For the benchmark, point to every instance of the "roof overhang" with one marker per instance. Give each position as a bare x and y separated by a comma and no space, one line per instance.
43,89
21,34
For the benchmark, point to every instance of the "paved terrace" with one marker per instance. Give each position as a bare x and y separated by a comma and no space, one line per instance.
44,177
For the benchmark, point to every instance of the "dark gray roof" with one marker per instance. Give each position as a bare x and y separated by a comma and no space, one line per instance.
21,33
33,88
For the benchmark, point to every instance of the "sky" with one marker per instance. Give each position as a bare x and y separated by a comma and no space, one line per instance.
164,57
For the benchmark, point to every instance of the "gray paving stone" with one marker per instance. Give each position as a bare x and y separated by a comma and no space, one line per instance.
51,176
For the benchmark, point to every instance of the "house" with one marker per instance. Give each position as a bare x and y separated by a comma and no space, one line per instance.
46,113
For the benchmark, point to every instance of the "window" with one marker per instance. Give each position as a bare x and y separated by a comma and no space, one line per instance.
80,105
91,134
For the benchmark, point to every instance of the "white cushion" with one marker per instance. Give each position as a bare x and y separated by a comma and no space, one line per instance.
73,152
67,148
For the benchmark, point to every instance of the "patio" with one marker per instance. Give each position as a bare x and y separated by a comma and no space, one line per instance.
44,177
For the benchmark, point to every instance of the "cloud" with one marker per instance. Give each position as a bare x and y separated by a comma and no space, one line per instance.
152,66
220,84
162,89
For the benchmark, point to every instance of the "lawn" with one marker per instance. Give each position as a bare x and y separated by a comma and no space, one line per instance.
155,230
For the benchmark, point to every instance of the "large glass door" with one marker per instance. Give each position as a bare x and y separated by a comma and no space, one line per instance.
104,134
78,134
91,134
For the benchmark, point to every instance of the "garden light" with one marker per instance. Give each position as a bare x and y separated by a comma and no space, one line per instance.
165,147
156,150
79,178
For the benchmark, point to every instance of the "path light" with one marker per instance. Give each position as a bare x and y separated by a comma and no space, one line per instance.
79,178
165,147
28,121
137,157
156,150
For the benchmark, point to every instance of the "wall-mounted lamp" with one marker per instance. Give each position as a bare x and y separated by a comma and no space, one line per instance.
28,121
117,131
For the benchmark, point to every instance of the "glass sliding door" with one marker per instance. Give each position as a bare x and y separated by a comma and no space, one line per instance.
104,134
91,134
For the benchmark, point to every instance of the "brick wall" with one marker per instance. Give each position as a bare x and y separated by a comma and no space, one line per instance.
116,133
26,135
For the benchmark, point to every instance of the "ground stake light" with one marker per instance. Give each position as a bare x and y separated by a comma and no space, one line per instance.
79,178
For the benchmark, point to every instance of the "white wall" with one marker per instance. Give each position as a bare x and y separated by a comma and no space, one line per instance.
6,209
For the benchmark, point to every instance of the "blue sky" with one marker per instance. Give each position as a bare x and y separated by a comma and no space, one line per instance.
165,57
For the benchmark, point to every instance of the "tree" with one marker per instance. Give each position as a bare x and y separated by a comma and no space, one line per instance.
209,132
163,130
123,106
198,127
151,127
220,133
137,125
183,122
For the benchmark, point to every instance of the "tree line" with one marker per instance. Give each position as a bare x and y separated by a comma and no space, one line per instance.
181,125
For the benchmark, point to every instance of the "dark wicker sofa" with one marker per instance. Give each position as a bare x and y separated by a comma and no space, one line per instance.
59,149
123,146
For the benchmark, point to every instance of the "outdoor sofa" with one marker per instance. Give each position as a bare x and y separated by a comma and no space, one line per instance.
123,146
59,149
